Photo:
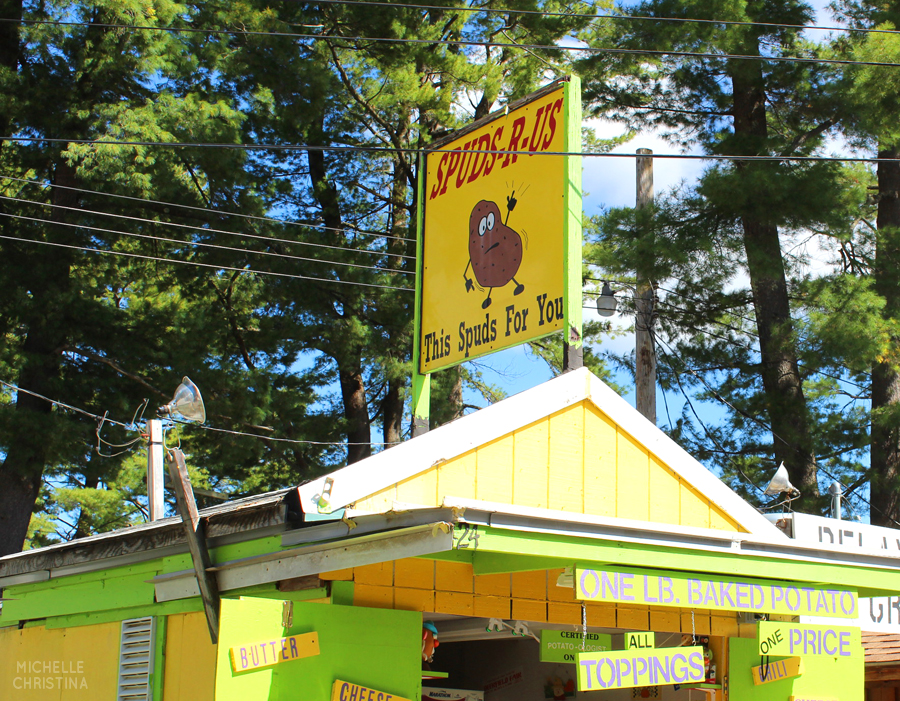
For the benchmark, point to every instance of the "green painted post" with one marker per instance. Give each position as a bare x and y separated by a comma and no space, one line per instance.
159,657
573,351
421,384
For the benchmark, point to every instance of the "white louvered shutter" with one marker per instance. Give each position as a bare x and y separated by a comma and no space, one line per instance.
136,652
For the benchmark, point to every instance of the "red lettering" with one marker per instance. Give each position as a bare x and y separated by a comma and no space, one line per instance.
557,107
495,146
535,141
454,162
435,191
483,145
517,128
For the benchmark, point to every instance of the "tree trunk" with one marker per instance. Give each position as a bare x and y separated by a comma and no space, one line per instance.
356,412
885,450
782,383
346,353
46,327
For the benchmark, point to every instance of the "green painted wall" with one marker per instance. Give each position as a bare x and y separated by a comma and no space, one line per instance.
378,648
823,677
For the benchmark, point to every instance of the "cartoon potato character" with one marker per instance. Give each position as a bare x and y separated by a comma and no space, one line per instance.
495,250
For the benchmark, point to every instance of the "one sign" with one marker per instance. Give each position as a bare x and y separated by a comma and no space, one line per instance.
269,653
497,209
776,671
345,691
640,641
561,645
801,639
632,586
620,670
812,698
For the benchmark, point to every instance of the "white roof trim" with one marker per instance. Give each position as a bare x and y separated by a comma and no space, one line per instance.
369,476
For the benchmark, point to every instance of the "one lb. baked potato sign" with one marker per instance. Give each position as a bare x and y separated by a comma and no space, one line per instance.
498,206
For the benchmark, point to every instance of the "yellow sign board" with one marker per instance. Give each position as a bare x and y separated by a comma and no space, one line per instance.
812,698
494,232
640,641
269,653
345,691
696,590
631,668
776,671
801,639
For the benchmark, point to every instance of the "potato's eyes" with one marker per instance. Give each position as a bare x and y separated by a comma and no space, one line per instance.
490,221
483,224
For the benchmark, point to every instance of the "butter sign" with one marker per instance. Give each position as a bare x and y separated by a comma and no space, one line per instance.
269,653
561,645
633,586
346,691
801,639
631,668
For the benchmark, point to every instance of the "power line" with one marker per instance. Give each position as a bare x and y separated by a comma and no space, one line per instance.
465,43
389,149
201,244
580,15
280,440
205,265
58,403
217,212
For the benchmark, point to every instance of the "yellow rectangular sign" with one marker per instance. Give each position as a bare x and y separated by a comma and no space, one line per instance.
801,639
776,671
345,691
621,670
696,590
494,233
645,640
268,653
813,698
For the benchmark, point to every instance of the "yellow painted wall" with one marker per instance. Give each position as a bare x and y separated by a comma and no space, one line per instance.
417,584
575,460
190,659
63,664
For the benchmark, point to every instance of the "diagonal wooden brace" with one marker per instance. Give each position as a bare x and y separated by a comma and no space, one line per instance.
187,507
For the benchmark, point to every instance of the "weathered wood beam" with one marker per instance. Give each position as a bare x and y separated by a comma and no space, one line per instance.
193,529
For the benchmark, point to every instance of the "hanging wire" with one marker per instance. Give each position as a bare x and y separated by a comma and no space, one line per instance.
606,50
199,244
206,265
206,210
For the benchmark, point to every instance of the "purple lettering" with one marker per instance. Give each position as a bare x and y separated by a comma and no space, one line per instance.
694,595
587,670
584,575
683,677
625,580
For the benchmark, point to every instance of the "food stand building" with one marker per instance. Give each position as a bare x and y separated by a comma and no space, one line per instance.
560,509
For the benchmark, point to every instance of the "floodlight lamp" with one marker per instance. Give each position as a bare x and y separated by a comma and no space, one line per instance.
606,302
781,484
187,403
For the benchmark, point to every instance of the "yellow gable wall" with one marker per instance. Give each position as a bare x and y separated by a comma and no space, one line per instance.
575,460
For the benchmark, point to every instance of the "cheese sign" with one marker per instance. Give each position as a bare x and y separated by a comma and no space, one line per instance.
639,641
631,668
561,645
695,590
801,639
269,653
346,691
776,671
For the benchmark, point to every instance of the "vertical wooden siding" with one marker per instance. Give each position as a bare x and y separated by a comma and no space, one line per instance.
576,460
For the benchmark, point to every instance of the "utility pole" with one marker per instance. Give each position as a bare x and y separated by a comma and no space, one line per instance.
644,349
155,474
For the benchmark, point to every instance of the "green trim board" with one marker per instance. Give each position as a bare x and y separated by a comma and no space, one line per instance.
573,212
421,383
502,551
